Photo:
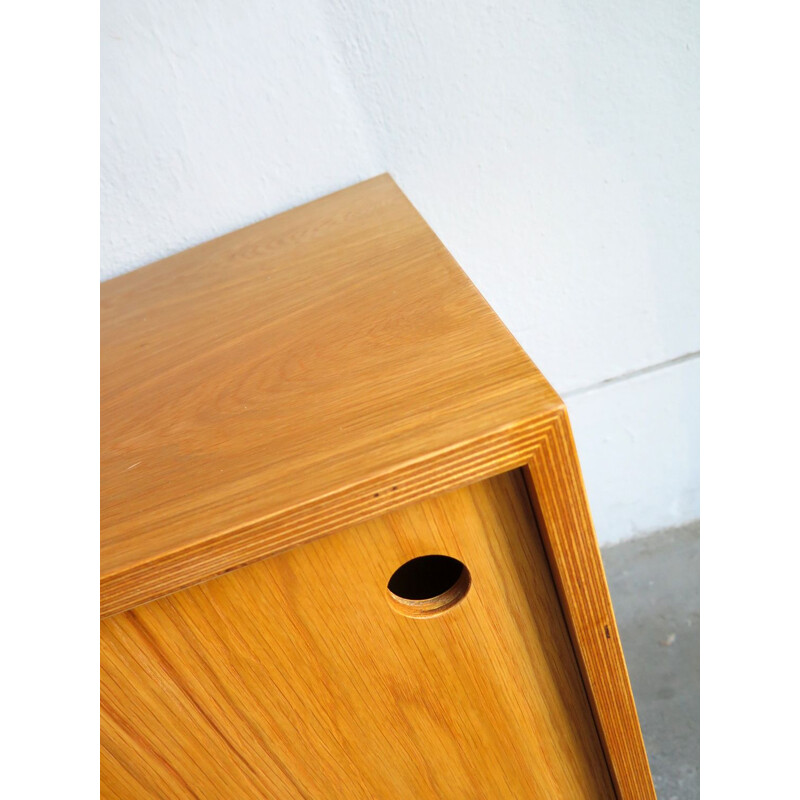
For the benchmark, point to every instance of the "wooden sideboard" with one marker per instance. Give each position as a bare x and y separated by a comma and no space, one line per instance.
345,547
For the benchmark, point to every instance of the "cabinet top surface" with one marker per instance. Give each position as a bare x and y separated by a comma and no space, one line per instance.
316,368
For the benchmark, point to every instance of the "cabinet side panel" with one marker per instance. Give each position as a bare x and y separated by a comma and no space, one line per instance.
559,498
297,677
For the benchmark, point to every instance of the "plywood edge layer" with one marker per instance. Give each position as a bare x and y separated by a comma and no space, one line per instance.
555,484
500,451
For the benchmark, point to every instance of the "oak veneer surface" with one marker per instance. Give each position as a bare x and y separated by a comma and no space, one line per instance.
296,678
297,376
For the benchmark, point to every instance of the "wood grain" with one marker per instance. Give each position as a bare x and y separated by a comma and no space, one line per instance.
314,371
290,379
559,498
296,678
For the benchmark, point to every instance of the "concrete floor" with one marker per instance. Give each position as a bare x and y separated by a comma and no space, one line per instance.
655,588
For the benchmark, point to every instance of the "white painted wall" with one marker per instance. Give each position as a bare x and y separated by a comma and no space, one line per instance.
552,145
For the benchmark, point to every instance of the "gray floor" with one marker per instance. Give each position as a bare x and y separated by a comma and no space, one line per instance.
655,588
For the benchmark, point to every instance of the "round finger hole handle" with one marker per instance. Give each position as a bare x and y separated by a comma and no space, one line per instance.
428,585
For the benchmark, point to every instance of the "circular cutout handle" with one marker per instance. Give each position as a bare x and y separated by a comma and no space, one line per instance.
428,585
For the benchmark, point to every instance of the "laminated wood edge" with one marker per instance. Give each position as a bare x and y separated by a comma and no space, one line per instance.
503,450
558,497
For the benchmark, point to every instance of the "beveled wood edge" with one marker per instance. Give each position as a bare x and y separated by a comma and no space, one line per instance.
555,484
451,468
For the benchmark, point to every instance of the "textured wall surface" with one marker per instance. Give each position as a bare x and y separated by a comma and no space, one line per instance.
553,146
